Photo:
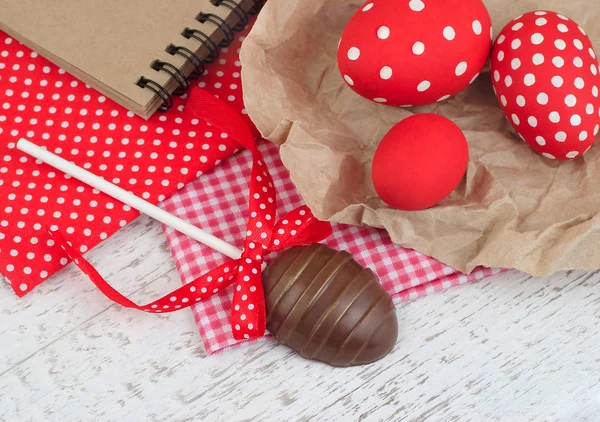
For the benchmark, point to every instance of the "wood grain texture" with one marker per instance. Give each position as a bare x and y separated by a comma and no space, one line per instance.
510,348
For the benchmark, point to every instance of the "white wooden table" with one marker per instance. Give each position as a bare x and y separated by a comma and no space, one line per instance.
510,348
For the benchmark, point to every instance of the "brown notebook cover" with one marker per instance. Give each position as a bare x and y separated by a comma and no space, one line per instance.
110,44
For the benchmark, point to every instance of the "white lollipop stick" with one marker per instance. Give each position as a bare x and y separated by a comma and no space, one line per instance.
128,198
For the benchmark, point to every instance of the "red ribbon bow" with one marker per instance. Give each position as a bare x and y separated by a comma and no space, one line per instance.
299,227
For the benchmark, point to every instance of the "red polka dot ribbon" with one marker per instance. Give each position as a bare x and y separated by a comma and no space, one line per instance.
263,236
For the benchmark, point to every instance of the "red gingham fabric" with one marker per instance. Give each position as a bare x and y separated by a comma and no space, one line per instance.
217,202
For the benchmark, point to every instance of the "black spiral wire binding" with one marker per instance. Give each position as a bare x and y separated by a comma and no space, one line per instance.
190,56
258,4
175,73
234,6
224,27
159,90
205,40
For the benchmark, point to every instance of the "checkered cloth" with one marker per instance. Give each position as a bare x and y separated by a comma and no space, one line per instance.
217,202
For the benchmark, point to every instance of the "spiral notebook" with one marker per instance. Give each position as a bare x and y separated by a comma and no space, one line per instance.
137,52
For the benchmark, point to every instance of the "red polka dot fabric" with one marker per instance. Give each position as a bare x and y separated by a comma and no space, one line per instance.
153,158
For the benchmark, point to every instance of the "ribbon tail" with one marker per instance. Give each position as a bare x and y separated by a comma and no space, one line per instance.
314,233
204,105
299,227
185,296
249,312
89,270
250,321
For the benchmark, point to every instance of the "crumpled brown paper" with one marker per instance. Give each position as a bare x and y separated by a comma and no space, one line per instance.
514,209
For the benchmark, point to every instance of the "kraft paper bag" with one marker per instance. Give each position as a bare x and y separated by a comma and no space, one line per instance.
514,209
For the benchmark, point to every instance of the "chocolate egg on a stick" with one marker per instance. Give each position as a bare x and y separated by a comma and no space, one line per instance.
320,302
327,307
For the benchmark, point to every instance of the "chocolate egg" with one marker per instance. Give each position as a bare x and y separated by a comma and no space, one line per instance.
545,74
327,307
415,52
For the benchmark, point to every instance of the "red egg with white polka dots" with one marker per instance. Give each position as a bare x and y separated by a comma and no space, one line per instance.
413,53
545,74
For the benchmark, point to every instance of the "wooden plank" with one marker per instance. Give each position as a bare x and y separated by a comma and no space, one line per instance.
508,348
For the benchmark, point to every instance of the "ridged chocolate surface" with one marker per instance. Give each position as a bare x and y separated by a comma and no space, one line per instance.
327,307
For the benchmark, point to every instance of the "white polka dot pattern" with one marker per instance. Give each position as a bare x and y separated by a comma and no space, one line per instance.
151,158
373,52
545,73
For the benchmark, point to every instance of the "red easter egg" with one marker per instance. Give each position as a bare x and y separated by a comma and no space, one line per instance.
545,74
417,52
419,162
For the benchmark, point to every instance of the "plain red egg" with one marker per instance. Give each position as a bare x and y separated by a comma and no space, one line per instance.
419,162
